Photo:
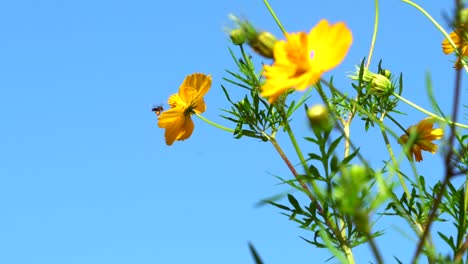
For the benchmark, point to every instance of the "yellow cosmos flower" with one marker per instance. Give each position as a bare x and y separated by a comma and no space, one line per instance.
302,58
177,120
460,42
425,133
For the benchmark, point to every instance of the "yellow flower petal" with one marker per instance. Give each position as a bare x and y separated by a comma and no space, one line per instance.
301,59
329,44
177,121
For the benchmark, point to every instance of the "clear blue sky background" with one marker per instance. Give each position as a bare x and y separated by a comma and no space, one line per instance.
85,175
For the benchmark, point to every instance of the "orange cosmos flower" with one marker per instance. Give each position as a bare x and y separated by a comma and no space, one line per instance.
177,120
425,133
460,42
302,58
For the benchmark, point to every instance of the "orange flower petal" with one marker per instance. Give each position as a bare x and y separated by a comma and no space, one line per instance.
447,47
177,125
424,134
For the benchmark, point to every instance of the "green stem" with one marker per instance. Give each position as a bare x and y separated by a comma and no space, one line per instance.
439,27
345,247
428,113
374,34
273,14
394,161
214,124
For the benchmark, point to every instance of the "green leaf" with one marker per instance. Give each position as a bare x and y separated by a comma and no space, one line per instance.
399,261
349,158
315,172
314,156
280,206
449,241
294,203
255,255
333,146
334,164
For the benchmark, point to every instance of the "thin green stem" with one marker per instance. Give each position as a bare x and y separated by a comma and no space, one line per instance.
214,124
394,161
395,122
374,34
273,14
429,113
439,27
345,247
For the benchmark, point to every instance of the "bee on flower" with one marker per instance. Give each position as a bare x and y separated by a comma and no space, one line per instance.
157,110
177,120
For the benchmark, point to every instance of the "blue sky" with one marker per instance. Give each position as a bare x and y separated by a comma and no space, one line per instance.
85,175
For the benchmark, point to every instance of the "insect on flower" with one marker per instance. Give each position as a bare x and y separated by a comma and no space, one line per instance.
157,109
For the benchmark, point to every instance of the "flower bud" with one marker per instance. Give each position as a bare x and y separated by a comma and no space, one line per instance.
358,173
366,75
387,73
237,36
381,85
464,17
319,117
263,43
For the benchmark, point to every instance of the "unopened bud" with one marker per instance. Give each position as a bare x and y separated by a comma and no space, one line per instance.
381,85
319,118
366,74
387,73
357,172
237,36
263,44
464,17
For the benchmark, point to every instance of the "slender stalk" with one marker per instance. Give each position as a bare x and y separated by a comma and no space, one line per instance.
214,124
273,14
429,113
394,161
346,248
293,171
439,27
374,34
448,164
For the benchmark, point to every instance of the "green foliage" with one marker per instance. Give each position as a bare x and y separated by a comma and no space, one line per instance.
339,196
253,116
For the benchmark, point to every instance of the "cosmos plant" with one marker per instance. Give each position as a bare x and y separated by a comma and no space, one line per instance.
335,193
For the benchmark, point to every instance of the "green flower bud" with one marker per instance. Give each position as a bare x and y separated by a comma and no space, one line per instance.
237,36
319,118
381,85
387,74
464,16
263,44
366,76
357,173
